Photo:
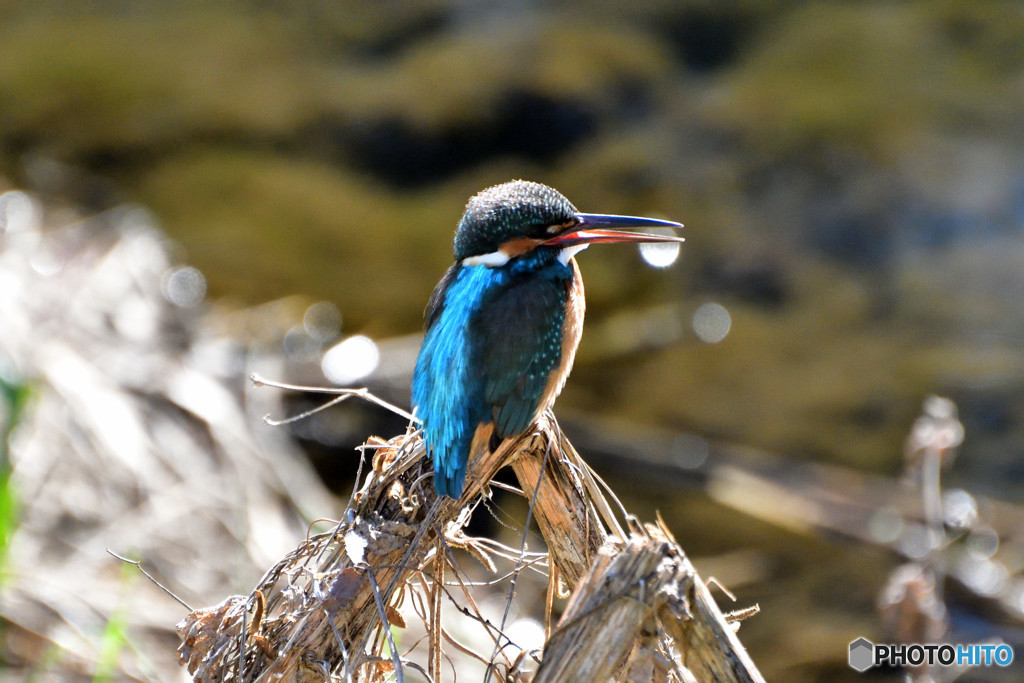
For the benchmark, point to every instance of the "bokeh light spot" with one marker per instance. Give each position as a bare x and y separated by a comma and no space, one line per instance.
184,286
885,525
711,323
915,541
322,321
351,360
18,213
982,543
959,508
986,577
689,452
299,346
525,634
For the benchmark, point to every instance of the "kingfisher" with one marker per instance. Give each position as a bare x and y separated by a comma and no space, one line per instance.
503,324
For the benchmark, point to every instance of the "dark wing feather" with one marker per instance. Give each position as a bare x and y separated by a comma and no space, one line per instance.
436,302
518,342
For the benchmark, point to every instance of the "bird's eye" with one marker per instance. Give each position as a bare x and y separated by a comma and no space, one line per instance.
559,228
541,230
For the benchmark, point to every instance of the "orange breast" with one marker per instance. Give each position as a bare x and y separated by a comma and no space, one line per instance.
571,333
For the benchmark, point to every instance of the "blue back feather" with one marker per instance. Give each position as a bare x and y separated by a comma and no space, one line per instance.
443,388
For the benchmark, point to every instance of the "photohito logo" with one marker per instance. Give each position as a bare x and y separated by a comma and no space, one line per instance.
864,654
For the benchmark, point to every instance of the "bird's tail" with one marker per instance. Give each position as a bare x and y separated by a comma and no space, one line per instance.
450,481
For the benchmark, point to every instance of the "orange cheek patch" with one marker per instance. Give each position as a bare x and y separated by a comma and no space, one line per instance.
519,246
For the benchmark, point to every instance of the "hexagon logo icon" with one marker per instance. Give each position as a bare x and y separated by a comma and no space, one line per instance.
862,654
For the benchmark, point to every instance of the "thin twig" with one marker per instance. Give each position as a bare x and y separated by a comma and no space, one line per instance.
241,641
343,394
435,616
385,624
303,415
531,564
549,600
712,581
165,589
341,645
476,614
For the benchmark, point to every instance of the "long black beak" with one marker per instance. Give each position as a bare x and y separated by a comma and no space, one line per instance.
600,228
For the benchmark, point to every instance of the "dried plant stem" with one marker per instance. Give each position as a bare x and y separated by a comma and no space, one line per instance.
563,510
638,605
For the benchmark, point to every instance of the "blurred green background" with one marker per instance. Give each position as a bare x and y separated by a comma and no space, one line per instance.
851,177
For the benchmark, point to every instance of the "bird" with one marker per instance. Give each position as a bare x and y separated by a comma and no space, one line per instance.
503,324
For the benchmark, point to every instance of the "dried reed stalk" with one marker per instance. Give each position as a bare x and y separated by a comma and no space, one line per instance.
638,610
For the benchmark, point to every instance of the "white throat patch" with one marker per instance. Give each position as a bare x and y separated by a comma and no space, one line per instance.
495,259
565,254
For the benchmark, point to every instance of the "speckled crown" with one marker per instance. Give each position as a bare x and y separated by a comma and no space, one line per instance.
519,208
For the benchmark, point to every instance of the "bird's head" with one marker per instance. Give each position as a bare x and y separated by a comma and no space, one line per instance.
508,220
